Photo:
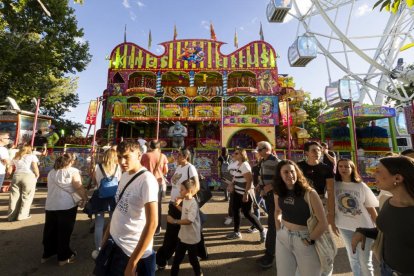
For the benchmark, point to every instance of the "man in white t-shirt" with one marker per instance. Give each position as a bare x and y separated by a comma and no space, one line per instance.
134,219
4,156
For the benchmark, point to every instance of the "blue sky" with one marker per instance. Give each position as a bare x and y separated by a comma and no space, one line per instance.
103,22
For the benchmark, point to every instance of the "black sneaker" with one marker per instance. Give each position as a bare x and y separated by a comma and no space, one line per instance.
267,261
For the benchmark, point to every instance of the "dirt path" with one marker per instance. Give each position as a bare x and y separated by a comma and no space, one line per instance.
21,245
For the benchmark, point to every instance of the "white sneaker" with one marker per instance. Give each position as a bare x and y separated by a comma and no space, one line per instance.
228,220
95,254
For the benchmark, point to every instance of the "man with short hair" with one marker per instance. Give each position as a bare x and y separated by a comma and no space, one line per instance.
268,168
134,219
4,156
157,163
329,157
320,177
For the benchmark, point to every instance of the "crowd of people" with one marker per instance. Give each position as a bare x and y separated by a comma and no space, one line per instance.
305,202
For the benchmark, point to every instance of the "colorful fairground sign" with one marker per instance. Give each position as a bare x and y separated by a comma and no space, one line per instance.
187,55
365,111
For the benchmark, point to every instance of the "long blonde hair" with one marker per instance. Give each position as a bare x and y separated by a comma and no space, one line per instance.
25,149
109,160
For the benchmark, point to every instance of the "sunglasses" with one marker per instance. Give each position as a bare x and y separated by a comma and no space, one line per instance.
262,149
236,153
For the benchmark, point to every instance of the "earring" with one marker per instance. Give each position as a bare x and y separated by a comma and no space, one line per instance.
395,184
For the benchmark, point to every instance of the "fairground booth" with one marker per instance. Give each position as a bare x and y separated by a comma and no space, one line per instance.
363,133
192,95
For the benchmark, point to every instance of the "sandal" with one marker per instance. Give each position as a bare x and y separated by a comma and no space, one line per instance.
68,261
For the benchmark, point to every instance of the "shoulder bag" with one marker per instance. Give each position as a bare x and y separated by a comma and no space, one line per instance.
325,246
75,196
378,245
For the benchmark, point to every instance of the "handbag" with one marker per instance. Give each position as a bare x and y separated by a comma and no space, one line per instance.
378,246
325,245
76,198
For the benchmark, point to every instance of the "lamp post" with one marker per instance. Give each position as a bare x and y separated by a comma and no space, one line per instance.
288,100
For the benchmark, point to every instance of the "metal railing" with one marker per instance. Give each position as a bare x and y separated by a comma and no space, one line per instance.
147,82
184,110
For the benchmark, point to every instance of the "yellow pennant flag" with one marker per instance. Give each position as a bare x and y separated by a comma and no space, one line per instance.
407,46
236,39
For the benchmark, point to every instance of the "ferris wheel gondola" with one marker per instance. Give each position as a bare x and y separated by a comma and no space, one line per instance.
369,59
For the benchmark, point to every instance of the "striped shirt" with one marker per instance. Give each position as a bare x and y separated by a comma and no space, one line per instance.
268,170
239,180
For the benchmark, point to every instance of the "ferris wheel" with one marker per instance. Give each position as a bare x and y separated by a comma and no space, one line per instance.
370,62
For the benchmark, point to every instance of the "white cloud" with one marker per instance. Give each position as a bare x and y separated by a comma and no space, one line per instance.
304,6
241,28
80,40
205,24
362,10
140,4
132,15
159,50
254,20
126,4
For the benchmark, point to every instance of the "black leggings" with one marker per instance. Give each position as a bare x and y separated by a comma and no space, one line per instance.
246,209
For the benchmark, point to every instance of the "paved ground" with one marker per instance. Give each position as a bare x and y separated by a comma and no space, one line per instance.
21,245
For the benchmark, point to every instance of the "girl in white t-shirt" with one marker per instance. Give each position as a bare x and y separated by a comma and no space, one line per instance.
102,205
23,184
184,171
354,207
190,231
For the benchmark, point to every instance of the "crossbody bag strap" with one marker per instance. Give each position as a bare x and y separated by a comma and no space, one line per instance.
188,172
309,203
129,182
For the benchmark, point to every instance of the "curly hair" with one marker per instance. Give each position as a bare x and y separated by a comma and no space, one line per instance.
125,146
301,184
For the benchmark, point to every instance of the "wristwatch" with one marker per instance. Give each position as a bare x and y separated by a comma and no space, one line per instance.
309,241
176,221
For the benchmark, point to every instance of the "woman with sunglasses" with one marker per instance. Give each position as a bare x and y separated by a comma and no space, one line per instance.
184,171
242,189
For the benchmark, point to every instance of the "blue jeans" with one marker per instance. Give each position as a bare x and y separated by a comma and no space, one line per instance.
293,257
99,228
386,270
118,261
361,261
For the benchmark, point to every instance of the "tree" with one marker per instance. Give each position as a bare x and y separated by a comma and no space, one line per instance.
38,54
392,5
313,108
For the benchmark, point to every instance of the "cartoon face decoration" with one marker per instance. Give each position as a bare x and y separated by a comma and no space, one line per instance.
193,53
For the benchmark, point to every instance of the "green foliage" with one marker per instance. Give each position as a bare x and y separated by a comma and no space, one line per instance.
392,5
313,108
71,128
39,53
